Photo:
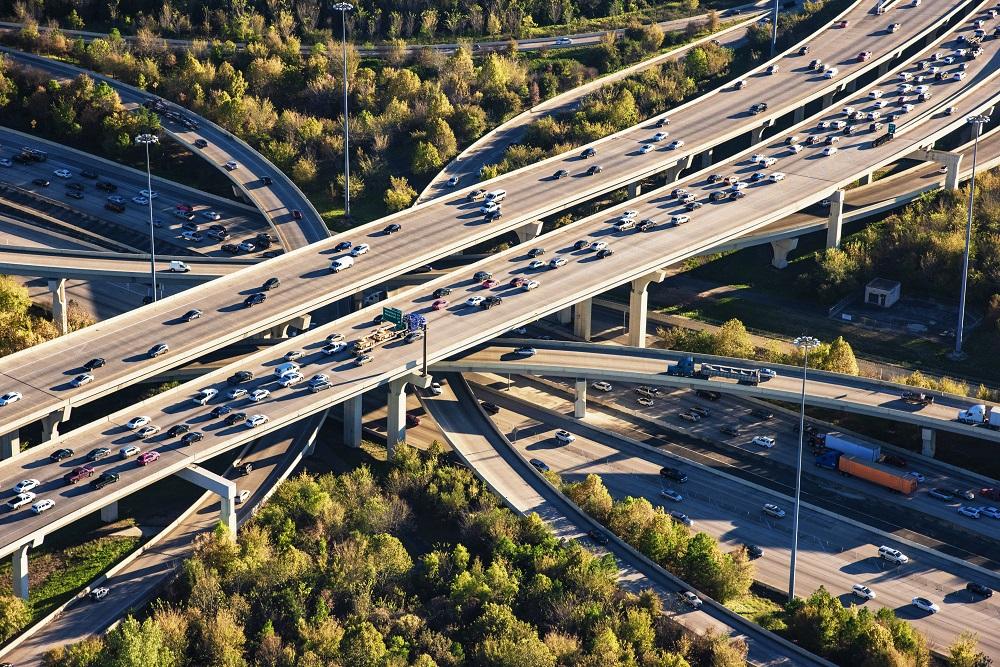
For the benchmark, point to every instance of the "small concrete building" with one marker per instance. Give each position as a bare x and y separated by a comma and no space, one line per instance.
882,292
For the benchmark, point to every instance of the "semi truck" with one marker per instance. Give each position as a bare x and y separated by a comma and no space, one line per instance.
687,367
873,472
383,334
980,414
839,443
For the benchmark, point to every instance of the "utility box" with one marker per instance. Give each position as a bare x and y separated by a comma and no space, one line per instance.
882,292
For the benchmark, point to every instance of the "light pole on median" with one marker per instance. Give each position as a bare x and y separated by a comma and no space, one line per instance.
977,123
774,29
343,8
804,343
145,140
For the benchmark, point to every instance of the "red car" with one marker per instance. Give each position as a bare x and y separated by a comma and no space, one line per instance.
517,282
440,304
864,55
843,24
187,208
489,283
297,214
412,420
148,457
990,492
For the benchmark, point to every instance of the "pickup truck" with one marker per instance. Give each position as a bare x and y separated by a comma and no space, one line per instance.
77,474
917,398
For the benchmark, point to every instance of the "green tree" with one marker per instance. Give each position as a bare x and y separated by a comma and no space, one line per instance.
963,652
14,616
400,194
733,340
135,644
13,296
440,134
362,646
426,158
841,357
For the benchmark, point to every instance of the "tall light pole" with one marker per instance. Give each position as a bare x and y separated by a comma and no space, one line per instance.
977,123
774,29
343,8
804,343
146,140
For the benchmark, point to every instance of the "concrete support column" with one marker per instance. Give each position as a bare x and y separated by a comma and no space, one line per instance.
756,134
638,300
928,441
19,560
672,173
580,404
352,421
781,248
835,221
851,86
10,444
50,423
799,115
582,313
109,513
395,430
883,68
220,486
705,161
634,189
828,99
59,305
565,316
866,179
529,232
357,301
953,161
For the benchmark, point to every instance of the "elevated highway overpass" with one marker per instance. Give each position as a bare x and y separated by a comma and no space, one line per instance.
437,229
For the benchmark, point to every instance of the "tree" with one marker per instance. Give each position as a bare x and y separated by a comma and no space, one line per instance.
592,497
13,296
134,644
426,158
440,134
362,646
841,357
399,195
14,616
304,170
963,652
733,340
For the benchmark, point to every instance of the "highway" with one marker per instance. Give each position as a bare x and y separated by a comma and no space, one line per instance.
451,223
477,442
833,553
457,327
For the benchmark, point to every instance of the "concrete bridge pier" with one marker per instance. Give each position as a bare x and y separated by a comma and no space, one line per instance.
705,159
582,317
866,179
883,68
580,403
60,308
395,431
638,302
928,441
352,421
799,114
564,316
222,487
10,444
529,232
634,189
952,161
835,221
19,569
828,99
781,248
109,513
757,133
50,423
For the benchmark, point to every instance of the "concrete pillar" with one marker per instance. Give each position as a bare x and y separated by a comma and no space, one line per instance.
828,99
851,86
799,115
50,423
352,421
565,316
357,301
705,161
395,430
582,313
835,222
928,444
638,300
580,404
673,172
634,189
10,444
20,571
953,161
220,486
109,513
781,248
866,179
529,232
756,134
59,305
883,68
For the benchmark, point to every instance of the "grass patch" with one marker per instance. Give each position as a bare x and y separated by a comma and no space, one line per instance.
761,610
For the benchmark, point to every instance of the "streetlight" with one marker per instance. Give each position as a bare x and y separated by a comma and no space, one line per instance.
804,343
147,139
774,29
977,123
343,8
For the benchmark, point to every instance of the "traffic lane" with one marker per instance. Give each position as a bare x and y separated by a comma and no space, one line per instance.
101,263
832,553
20,234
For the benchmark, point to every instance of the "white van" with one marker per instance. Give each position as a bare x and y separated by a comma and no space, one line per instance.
892,555
341,264
177,266
288,367
496,195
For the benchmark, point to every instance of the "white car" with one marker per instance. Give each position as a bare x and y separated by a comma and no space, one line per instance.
489,207
675,144
881,104
921,89
152,194
904,88
646,148
763,441
680,219
360,249
599,246
564,437
242,496
830,73
63,173
211,215
564,41
773,510
769,161
205,395
236,392
969,511
26,485
436,389
474,301
138,422
863,592
849,111
536,264
82,379
6,162
556,262
146,431
830,150
231,165
645,401
958,76
530,285
601,385
253,421
99,593
670,494
758,158
334,348
917,476
140,200
20,500
10,397
904,76
289,379
776,176
660,136
129,450
925,605
42,505
893,27
629,214
259,395
691,599
795,148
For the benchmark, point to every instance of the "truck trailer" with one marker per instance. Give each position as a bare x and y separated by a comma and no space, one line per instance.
873,472
687,367
980,414
852,447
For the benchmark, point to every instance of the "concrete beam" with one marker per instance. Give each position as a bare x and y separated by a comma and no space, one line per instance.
580,404
529,232
395,431
953,161
10,444
109,513
310,447
222,487
638,301
634,189
928,441
834,223
582,317
60,308
19,560
781,248
352,421
50,422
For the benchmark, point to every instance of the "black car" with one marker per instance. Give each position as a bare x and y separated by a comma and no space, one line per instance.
236,418
266,180
191,438
41,182
86,173
760,107
536,252
158,349
761,413
441,292
217,227
730,429
692,205
662,122
270,284
562,173
803,50
262,241
270,254
98,454
61,454
710,395
894,460
200,143
674,474
737,194
254,299
190,226
96,362
75,186
220,235
192,314
594,169
178,429
490,408
493,215
74,194
598,536
392,229
107,187
491,301
239,377
105,479
981,590
589,152
220,410
753,551
343,245
582,244
718,195
605,252
231,248
715,178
